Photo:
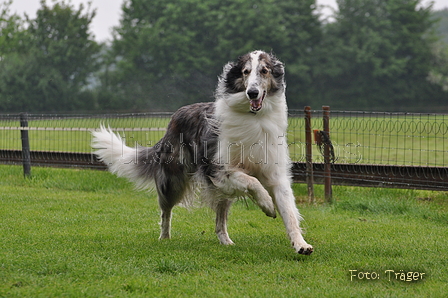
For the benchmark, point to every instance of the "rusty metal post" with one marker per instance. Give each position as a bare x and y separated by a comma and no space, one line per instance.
327,161
26,155
309,154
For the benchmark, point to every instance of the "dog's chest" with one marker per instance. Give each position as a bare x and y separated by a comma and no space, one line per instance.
253,146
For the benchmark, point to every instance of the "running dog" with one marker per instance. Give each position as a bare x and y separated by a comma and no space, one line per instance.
231,148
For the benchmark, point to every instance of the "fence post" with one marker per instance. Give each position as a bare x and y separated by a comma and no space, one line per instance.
26,156
327,162
309,154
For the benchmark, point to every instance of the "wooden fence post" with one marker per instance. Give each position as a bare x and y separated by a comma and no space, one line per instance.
309,154
26,156
327,161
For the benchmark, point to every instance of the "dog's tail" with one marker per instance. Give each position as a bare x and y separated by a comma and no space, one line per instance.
120,159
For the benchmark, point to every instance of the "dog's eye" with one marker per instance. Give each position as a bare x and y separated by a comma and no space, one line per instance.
264,70
246,72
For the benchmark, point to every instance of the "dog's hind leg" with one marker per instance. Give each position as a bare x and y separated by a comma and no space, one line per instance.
165,224
166,207
170,193
222,211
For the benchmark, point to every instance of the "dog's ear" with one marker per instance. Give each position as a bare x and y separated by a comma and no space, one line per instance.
233,77
226,69
278,69
232,71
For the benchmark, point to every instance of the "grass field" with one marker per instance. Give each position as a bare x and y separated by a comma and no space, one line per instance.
81,233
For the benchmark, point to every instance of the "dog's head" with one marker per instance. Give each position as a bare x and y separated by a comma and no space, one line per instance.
257,74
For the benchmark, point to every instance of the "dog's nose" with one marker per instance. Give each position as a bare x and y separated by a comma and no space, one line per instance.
252,93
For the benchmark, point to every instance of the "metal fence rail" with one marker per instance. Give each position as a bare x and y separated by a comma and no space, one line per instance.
405,177
405,150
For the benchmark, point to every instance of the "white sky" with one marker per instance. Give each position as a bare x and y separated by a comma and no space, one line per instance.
108,12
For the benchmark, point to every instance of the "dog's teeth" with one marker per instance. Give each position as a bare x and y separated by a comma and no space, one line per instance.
256,104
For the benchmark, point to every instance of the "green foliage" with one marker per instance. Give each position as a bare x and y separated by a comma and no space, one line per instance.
441,16
80,233
378,54
61,36
171,52
11,31
55,58
439,65
381,55
439,51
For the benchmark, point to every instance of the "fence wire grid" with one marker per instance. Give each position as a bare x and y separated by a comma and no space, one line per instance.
72,133
399,139
358,138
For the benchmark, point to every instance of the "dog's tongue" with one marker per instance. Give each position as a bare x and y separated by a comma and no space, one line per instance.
255,104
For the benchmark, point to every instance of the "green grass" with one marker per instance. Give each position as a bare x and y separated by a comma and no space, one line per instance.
81,233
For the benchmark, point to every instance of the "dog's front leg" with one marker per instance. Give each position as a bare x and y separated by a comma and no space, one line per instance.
237,183
285,202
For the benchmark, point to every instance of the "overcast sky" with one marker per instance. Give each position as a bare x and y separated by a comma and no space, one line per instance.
108,12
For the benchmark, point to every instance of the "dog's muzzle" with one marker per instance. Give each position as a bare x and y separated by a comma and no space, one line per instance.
256,101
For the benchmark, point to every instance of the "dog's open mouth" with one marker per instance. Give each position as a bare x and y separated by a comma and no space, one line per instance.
257,104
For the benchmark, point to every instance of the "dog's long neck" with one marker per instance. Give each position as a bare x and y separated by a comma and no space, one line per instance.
251,141
233,112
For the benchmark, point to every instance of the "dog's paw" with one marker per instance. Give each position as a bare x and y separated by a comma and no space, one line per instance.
225,240
266,204
303,248
270,211
164,236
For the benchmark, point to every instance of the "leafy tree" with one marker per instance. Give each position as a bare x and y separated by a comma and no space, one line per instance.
378,55
441,27
51,70
439,71
11,31
439,51
64,42
169,52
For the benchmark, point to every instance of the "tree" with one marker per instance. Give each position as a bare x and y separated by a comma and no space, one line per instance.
378,55
441,27
51,70
169,53
11,31
439,50
439,71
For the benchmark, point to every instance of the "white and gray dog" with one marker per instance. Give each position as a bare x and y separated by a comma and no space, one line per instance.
233,147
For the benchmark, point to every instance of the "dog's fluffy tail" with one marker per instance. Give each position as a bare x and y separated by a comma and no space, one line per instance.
120,159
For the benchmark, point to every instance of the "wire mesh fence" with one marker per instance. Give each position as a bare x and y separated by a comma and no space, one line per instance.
72,133
400,139
401,150
369,140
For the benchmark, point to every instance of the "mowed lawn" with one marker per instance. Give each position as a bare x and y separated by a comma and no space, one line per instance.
83,233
